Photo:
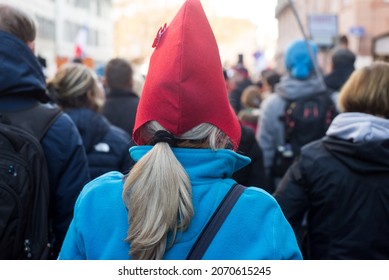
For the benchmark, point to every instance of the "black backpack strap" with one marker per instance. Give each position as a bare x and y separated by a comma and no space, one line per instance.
288,121
213,225
35,120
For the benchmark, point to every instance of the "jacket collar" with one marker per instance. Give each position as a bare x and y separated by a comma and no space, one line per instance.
202,164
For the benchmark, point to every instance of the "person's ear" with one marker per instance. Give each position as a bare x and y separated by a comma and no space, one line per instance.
31,45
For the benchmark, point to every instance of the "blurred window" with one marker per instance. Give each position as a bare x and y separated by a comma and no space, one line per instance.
93,37
84,4
46,28
98,8
71,30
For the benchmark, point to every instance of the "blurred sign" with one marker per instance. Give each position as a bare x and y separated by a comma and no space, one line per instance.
323,29
381,45
357,31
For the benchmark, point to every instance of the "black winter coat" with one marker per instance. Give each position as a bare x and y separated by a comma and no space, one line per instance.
22,85
254,173
106,145
345,189
120,109
236,94
337,78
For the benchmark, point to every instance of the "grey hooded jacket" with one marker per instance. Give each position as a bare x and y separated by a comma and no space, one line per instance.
270,133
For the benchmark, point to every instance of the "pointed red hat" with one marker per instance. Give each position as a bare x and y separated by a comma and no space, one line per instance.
185,85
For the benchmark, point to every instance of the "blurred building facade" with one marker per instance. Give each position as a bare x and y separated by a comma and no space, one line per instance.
127,28
364,22
64,23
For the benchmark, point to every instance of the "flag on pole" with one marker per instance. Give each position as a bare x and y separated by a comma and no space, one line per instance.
81,42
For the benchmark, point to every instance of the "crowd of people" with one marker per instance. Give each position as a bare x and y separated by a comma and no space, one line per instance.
137,175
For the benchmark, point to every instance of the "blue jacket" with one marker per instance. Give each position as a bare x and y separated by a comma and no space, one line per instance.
255,228
22,84
106,145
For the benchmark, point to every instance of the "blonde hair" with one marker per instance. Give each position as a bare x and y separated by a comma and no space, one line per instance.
251,97
75,86
17,23
158,192
367,91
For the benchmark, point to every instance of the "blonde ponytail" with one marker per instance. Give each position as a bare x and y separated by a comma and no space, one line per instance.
158,193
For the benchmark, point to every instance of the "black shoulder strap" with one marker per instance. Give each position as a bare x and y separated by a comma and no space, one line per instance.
213,225
288,121
35,120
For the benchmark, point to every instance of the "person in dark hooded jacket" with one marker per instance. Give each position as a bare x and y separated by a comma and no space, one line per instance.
343,61
254,173
342,180
22,86
240,80
76,89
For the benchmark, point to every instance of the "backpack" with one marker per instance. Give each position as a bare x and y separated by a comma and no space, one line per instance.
305,120
24,183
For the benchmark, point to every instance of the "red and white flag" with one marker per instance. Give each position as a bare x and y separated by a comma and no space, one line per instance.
81,42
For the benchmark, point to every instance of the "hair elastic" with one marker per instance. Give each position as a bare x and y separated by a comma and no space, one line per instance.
164,136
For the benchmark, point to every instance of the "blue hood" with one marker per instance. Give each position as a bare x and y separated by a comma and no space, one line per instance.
202,164
20,71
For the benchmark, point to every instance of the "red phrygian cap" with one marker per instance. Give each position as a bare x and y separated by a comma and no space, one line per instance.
185,85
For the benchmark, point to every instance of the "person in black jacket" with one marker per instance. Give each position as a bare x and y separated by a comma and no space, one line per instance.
121,102
254,173
22,86
342,181
343,61
76,89
239,81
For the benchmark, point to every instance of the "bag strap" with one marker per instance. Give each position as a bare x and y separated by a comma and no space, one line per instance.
35,120
211,228
289,123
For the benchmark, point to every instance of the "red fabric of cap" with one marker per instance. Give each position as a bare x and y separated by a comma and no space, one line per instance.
185,86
